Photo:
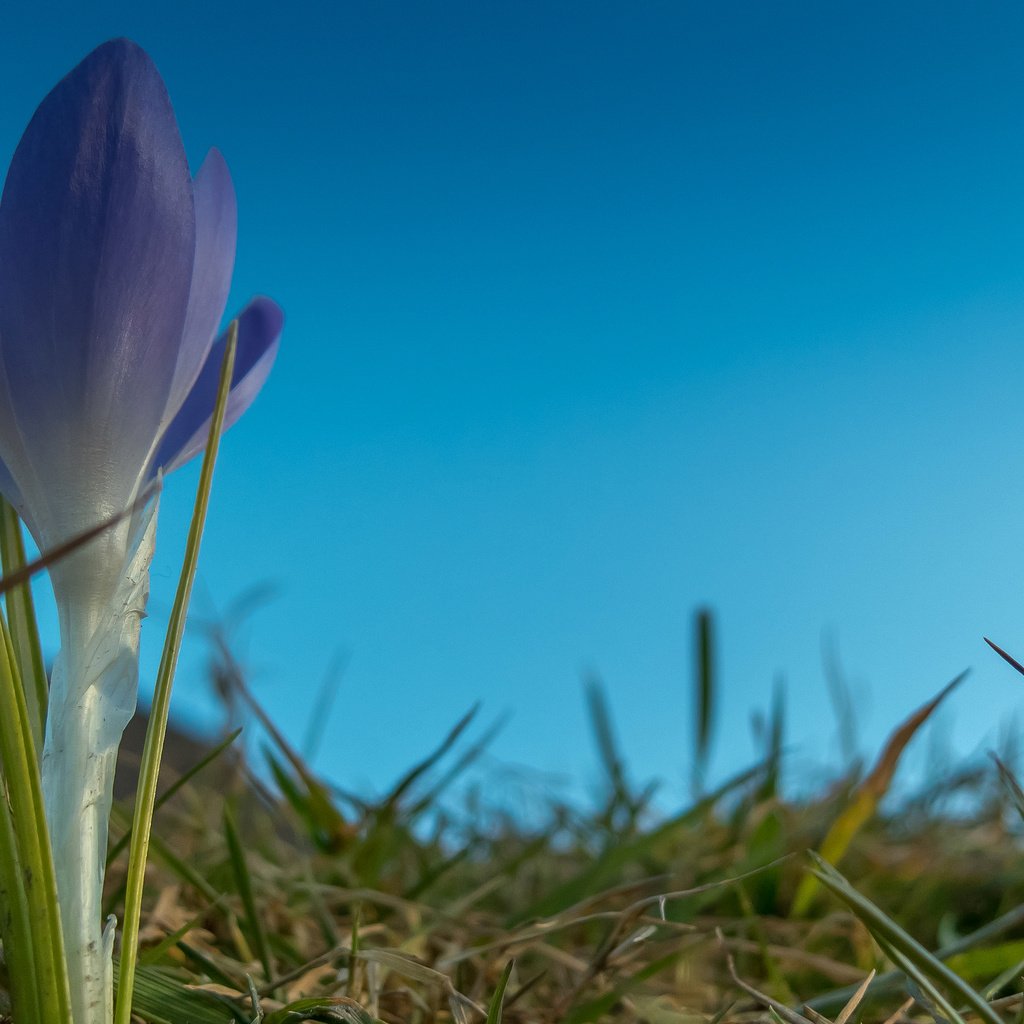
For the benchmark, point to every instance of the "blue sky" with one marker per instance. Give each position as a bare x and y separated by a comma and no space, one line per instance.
598,312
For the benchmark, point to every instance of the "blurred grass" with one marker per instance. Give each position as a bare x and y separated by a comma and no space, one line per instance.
294,900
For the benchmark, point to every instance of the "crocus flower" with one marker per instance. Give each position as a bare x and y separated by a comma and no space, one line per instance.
115,265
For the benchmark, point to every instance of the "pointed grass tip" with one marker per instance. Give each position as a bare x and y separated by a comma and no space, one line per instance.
1006,657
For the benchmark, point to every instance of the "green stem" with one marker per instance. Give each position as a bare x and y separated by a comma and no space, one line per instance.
24,791
21,617
153,749
19,949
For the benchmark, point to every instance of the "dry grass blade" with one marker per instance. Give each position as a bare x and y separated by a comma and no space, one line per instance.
1010,783
855,1000
865,800
817,1018
403,964
407,967
900,1013
783,1011
304,968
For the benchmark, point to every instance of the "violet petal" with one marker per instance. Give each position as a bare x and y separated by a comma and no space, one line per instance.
259,328
97,242
216,233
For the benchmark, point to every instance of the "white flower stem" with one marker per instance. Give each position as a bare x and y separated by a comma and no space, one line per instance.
77,803
92,697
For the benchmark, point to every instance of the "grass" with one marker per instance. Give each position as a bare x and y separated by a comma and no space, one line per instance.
295,900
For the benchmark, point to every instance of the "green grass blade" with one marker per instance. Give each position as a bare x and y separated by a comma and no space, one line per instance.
153,956
178,867
243,879
149,773
704,684
884,929
886,982
465,761
600,1009
498,999
21,619
333,830
117,848
210,968
1007,976
610,864
161,998
774,734
924,984
25,793
422,767
19,950
320,712
604,735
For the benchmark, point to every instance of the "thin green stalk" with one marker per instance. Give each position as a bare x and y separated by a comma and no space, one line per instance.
21,618
152,751
24,790
19,951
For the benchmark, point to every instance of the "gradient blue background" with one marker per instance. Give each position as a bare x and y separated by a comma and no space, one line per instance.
598,312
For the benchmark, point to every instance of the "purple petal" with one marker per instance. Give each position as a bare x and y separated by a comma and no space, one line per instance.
97,242
259,328
15,458
216,232
18,476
